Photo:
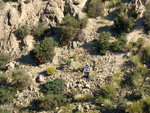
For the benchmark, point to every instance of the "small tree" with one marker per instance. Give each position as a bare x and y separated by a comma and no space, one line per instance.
44,52
95,8
23,31
56,86
103,43
39,30
69,29
4,59
21,80
122,23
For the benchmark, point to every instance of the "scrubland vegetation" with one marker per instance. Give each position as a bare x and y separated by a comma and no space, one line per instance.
126,91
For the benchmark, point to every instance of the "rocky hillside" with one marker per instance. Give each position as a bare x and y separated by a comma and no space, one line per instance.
13,15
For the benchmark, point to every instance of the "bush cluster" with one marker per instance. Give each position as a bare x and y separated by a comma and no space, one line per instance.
49,102
4,59
53,98
44,52
69,28
23,31
95,8
119,44
56,86
103,42
20,79
123,24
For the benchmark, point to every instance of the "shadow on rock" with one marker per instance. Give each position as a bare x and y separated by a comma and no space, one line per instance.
91,47
26,59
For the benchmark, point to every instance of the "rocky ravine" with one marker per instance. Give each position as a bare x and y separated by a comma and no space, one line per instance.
32,13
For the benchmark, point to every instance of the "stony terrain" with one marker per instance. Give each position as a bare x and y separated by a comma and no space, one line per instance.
101,66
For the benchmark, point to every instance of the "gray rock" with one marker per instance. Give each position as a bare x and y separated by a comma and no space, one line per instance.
74,45
40,79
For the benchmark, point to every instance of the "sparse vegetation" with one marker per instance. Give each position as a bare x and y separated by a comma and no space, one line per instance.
49,102
23,31
44,52
20,79
4,59
4,111
83,97
50,70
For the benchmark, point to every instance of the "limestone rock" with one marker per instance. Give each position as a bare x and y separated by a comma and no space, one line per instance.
13,17
40,79
74,45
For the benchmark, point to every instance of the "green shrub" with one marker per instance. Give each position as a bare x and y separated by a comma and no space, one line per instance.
136,107
137,80
7,94
139,42
44,52
147,48
146,104
56,86
83,22
147,17
108,103
23,31
103,43
3,78
134,14
143,70
49,102
4,59
50,70
117,79
123,24
107,91
20,79
39,30
4,111
136,60
95,8
119,45
83,97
